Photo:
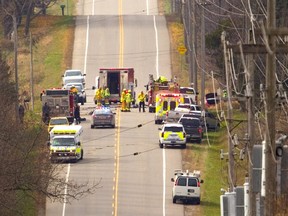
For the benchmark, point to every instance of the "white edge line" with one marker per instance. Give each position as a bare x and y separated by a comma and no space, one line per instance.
147,7
87,43
157,48
65,190
164,183
93,8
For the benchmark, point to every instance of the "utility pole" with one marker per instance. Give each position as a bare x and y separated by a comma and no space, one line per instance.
31,74
231,173
202,55
193,63
270,172
15,35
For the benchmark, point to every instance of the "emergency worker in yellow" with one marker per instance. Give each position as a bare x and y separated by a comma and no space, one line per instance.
141,99
98,96
123,100
73,90
106,96
128,100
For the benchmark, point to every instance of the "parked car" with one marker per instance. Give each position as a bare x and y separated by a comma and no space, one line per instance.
103,116
193,128
73,76
172,134
186,186
175,115
57,121
209,120
81,95
212,99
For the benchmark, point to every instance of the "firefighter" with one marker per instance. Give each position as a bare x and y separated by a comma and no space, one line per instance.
225,94
123,100
106,96
98,96
128,97
73,90
46,113
141,99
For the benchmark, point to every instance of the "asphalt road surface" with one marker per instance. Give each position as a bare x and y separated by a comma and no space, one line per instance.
132,171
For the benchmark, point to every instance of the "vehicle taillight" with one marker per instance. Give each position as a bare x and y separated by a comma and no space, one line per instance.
162,134
184,135
198,184
200,130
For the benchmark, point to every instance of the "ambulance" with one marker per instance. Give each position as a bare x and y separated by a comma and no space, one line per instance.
65,143
164,103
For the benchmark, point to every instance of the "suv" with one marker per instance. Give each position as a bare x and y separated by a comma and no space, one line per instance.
193,128
210,120
186,186
172,134
73,76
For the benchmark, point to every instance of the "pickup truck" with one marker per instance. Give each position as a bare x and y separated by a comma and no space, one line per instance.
174,115
210,121
193,128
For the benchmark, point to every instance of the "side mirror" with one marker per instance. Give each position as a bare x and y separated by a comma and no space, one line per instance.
84,74
159,129
202,181
93,87
78,144
172,179
136,83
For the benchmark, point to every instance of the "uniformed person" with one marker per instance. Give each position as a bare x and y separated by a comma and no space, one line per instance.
141,99
123,100
128,100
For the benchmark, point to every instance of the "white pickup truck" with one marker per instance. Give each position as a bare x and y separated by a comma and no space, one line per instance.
174,115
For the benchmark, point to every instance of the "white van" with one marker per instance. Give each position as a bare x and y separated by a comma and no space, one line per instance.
186,186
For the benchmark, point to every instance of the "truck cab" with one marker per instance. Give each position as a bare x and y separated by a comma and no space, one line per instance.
65,143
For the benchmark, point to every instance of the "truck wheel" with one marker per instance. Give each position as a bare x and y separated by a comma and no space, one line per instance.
113,126
174,200
183,146
92,126
199,141
161,145
81,158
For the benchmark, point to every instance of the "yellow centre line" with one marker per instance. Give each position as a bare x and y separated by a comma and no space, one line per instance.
117,143
121,35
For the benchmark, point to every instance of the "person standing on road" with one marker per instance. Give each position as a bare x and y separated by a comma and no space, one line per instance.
46,113
128,100
106,96
123,100
77,114
141,99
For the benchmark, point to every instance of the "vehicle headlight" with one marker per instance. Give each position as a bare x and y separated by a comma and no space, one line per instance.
72,150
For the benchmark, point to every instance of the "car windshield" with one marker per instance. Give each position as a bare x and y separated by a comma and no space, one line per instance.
58,121
102,111
195,108
79,87
173,129
73,73
187,106
190,121
61,141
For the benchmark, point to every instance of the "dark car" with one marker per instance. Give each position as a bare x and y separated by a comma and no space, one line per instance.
103,116
212,98
210,120
193,128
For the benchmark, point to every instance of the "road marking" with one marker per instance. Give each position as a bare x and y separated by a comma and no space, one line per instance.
65,190
87,44
116,168
93,7
121,34
164,182
147,7
157,47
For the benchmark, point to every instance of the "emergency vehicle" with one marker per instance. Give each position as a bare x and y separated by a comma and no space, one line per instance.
158,86
186,186
165,102
60,101
116,79
65,143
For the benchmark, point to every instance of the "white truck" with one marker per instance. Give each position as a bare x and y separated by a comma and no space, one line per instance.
65,143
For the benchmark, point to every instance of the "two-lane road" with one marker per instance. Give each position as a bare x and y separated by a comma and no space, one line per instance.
132,171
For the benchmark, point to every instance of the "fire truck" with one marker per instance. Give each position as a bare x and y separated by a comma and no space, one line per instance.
116,79
60,101
155,87
164,103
